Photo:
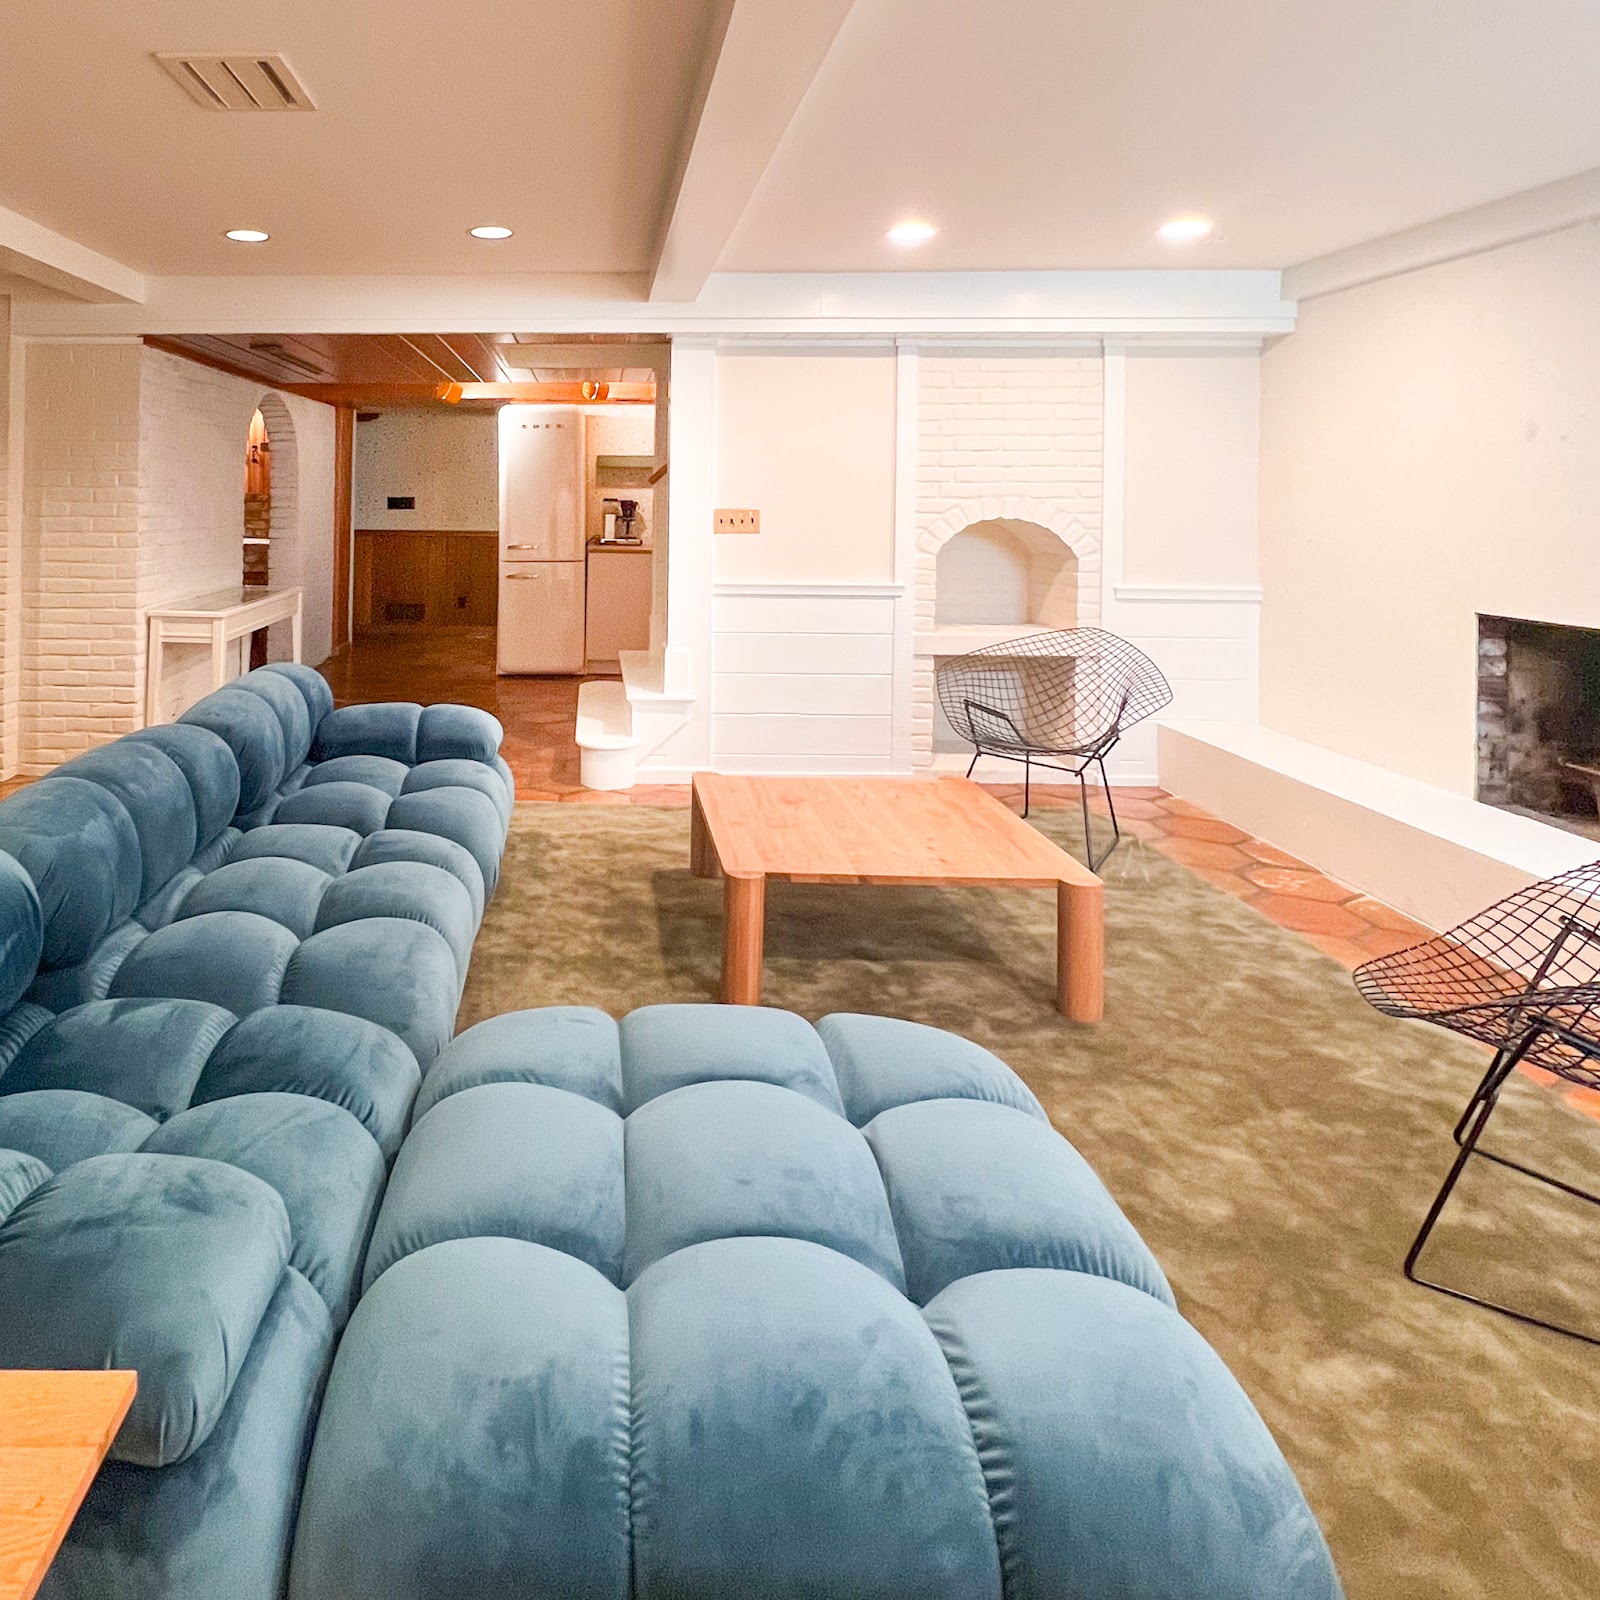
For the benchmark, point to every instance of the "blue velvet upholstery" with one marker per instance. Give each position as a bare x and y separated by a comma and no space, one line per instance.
713,1304
249,726
21,932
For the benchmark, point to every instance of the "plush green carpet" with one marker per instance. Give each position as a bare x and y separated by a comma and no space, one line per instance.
1274,1140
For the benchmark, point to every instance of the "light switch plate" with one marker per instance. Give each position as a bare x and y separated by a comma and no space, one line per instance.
735,521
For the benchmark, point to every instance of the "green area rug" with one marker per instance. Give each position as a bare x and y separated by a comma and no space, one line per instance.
1274,1140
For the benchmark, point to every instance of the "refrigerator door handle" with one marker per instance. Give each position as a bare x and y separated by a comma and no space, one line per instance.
521,577
522,547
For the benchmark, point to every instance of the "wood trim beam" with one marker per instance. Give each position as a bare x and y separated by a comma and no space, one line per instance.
344,453
377,396
765,58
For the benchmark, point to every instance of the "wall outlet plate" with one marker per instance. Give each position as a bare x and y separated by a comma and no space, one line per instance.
735,521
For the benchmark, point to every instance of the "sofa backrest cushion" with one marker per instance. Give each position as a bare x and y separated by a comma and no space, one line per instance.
208,764
289,707
312,685
251,729
389,729
162,1263
78,844
21,932
155,792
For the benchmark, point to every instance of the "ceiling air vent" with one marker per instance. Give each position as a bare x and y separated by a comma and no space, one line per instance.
238,82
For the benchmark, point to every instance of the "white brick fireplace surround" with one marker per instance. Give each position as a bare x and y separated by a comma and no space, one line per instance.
1122,457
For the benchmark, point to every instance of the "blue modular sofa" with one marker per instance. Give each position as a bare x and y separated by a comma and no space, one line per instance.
228,948
713,1305
708,1304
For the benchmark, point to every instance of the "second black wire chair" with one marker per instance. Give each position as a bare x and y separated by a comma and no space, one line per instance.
1052,700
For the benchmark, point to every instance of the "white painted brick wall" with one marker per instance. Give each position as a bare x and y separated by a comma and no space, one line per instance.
10,559
1005,437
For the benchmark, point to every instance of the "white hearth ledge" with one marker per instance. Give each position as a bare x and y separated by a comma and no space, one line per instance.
1432,854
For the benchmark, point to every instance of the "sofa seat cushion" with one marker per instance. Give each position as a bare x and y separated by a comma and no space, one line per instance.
410,844
20,1175
234,959
145,1053
283,891
63,1126
1045,1425
165,1264
317,844
468,818
462,775
407,889
377,772
357,806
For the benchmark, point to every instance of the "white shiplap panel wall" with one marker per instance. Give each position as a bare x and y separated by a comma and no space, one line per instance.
804,678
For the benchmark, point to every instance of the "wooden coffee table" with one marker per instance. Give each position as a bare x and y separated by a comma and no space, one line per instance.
943,831
55,1430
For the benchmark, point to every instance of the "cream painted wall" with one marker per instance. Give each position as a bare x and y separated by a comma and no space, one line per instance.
1192,468
1430,449
809,441
448,459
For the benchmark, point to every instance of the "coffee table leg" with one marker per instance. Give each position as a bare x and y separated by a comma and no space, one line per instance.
702,853
1080,951
744,926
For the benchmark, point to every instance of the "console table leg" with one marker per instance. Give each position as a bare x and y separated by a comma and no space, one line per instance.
744,918
1080,951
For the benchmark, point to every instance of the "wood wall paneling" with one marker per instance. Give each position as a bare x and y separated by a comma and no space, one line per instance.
425,579
344,446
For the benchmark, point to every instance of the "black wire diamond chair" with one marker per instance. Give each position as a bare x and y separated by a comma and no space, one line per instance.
1524,978
1066,695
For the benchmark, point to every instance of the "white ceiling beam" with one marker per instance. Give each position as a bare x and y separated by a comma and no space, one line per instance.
761,62
44,256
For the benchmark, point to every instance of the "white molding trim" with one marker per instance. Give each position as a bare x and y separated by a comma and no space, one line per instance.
907,406
1530,214
1187,594
810,591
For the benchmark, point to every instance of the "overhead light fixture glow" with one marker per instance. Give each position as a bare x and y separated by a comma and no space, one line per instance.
247,235
1184,230
907,234
490,233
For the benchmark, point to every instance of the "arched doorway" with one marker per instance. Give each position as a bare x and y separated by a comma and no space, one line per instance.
271,553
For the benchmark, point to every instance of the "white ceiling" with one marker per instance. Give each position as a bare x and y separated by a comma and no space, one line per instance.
559,118
1036,133
1060,133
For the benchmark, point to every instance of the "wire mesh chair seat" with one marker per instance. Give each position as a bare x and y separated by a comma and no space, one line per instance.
1523,977
1051,700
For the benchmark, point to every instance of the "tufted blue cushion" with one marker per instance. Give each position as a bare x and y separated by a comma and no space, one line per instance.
465,816
62,1126
312,685
286,892
378,771
404,844
289,707
328,1055
976,1187
452,732
21,932
208,765
147,1053
155,792
722,1160
233,959
390,970
461,775
1124,1458
20,1174
251,730
508,1158
160,1263
324,1165
77,843
316,844
428,895
535,1420
370,730
356,806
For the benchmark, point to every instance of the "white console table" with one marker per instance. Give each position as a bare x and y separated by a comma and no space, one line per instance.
218,619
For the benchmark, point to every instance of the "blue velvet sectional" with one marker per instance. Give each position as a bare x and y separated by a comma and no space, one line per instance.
703,1305
228,949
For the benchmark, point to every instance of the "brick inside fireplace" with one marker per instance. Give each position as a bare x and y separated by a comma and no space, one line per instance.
1539,720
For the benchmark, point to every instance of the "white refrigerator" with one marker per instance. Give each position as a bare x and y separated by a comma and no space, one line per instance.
540,625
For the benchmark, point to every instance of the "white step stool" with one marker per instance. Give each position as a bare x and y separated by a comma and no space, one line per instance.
606,741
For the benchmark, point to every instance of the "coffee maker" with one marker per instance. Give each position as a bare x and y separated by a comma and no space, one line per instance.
627,515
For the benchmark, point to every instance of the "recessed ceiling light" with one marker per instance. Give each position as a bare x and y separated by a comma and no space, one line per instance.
247,235
911,233
490,233
1184,230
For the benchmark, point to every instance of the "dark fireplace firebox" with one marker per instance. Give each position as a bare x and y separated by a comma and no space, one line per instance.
1539,720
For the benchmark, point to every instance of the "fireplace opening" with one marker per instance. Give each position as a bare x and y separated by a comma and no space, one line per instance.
1539,721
